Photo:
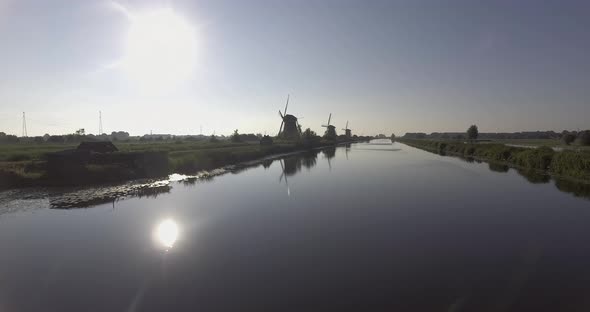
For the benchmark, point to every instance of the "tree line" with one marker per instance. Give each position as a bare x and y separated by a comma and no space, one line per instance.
567,137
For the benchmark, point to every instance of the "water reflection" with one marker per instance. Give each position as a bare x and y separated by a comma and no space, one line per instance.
578,189
293,164
309,159
496,167
347,149
266,163
534,176
329,153
167,233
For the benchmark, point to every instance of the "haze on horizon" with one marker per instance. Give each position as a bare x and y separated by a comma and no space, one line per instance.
386,66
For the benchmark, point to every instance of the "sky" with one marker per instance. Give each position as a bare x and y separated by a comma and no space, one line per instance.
384,66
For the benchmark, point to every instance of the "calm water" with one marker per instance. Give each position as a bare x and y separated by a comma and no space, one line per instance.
372,227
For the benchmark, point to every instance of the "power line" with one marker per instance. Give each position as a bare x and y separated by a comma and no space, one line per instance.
24,126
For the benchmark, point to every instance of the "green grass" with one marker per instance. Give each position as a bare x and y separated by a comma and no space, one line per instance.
35,151
29,151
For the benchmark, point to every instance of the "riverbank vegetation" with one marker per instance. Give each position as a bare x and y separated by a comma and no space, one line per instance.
31,163
566,140
567,163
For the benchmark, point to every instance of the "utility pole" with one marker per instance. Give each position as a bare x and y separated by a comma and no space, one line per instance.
24,126
100,131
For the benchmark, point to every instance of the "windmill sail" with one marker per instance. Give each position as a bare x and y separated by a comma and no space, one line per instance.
329,118
287,105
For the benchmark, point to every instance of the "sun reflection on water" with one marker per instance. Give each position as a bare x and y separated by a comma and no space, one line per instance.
167,233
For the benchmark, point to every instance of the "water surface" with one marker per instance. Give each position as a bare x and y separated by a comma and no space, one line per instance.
369,227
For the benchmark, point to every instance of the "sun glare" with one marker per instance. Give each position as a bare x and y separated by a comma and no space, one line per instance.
167,233
160,49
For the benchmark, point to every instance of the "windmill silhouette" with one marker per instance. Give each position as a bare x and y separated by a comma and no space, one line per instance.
330,129
291,129
347,132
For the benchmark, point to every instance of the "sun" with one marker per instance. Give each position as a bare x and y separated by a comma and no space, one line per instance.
160,49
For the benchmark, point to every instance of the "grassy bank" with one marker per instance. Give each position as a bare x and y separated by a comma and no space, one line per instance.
567,163
23,165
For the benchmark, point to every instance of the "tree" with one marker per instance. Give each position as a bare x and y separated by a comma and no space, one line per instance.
236,137
8,138
80,131
309,134
393,136
583,137
472,132
266,140
567,138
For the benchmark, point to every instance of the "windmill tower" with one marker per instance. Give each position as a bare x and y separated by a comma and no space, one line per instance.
347,131
291,129
330,129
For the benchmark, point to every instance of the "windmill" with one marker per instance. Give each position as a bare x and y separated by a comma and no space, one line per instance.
291,129
330,129
347,131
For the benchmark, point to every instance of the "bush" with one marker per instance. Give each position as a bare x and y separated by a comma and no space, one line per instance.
535,158
441,147
572,164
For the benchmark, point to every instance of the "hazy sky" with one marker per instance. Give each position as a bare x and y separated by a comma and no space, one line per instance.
387,66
